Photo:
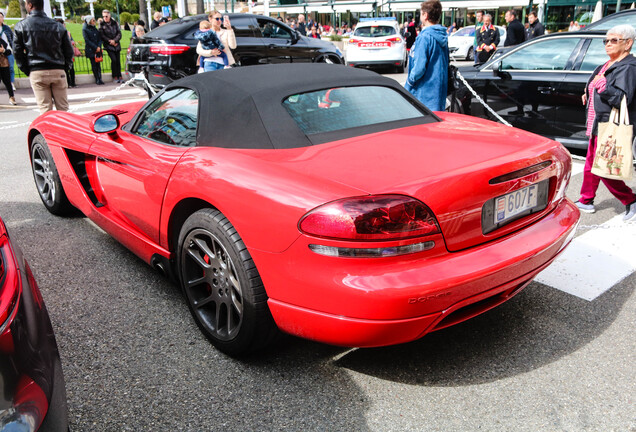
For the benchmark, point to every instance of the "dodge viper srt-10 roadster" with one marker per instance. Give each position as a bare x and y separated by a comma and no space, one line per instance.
319,200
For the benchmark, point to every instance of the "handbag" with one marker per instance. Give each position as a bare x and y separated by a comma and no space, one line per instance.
76,51
613,157
4,61
99,57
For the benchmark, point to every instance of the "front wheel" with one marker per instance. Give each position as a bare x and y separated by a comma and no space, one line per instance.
222,286
471,54
47,179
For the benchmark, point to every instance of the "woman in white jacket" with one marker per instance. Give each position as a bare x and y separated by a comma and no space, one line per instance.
226,35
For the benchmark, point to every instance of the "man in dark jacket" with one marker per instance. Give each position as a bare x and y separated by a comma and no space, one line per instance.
111,35
43,51
515,34
7,35
487,40
535,28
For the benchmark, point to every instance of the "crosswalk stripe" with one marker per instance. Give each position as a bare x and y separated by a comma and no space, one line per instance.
595,261
89,96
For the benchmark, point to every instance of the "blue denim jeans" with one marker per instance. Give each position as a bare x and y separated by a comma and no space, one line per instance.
11,69
212,66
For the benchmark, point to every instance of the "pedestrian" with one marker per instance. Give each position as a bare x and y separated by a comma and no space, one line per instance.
302,26
487,40
224,32
43,51
210,41
70,71
427,77
111,35
411,35
574,26
157,20
479,22
515,33
7,35
5,76
93,47
605,89
535,28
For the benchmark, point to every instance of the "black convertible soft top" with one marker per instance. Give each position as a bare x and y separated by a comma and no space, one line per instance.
242,107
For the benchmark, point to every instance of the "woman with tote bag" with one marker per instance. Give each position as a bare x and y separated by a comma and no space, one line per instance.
606,88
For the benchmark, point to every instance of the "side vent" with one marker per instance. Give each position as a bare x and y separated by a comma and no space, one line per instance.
78,161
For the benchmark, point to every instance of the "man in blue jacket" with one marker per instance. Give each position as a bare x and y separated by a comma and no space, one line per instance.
427,78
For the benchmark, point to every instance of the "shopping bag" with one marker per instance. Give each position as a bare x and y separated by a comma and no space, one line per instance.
99,57
613,157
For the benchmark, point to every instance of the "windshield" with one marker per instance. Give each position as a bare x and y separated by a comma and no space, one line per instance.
374,31
348,107
466,31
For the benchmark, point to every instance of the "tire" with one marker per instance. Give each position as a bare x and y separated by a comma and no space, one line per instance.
470,55
400,69
47,179
222,286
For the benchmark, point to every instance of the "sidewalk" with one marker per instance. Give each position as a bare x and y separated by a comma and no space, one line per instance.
85,91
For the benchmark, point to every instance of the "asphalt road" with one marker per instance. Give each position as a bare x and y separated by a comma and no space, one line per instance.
134,359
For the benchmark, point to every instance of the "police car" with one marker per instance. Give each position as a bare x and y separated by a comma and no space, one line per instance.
377,41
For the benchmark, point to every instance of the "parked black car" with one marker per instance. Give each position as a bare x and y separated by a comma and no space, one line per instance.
537,85
33,393
168,53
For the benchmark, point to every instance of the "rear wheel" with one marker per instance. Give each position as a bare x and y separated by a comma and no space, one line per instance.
222,286
471,54
47,179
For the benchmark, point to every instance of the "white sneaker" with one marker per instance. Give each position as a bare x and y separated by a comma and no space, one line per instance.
12,101
630,212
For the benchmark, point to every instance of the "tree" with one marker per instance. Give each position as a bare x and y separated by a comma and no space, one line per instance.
143,14
14,9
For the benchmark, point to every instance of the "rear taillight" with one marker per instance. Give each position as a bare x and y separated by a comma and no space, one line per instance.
396,39
169,49
9,282
354,41
371,218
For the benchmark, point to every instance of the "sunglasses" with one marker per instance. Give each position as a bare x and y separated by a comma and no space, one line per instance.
613,41
218,19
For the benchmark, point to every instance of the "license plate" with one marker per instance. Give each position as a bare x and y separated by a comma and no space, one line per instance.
510,205
374,44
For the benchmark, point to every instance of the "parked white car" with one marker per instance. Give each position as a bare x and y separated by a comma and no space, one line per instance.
460,43
377,41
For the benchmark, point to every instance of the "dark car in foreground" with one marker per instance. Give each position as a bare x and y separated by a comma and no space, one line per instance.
537,86
623,17
169,52
33,394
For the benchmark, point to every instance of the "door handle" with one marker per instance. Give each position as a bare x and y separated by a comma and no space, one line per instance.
545,90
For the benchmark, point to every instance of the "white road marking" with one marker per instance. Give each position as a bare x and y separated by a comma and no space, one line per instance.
86,107
577,167
93,95
595,261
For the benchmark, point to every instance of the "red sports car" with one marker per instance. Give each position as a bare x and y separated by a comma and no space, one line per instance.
323,201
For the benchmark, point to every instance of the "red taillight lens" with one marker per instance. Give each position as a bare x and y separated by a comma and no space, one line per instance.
168,49
395,39
354,41
9,281
375,217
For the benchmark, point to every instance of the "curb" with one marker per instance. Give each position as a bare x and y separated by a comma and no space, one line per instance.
25,83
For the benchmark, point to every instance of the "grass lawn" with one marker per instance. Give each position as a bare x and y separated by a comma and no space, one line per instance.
82,64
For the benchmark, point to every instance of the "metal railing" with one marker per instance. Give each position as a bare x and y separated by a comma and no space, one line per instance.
82,65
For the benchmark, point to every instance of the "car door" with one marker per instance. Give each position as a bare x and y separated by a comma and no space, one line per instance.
249,49
282,44
521,85
132,168
571,111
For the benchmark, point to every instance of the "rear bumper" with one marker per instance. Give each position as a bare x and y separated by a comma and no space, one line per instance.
365,57
376,302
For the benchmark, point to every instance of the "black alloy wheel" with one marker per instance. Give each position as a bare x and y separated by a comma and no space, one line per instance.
222,286
47,179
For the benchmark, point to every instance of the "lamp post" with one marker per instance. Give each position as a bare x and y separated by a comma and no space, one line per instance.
149,7
61,2
90,2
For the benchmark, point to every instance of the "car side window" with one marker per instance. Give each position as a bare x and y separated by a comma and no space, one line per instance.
546,55
595,55
271,29
171,118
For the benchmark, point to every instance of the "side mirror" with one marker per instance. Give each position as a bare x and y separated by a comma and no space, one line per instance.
295,37
107,123
497,68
